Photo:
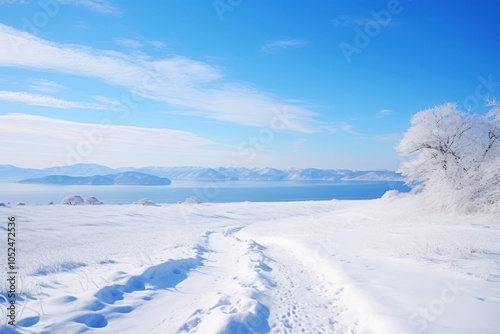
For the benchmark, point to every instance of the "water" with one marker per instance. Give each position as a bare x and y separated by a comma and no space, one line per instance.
235,191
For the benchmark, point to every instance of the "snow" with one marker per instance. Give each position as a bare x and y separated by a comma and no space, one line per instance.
377,266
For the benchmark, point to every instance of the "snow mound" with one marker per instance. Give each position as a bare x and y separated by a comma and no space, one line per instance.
78,200
146,202
191,200
92,201
73,200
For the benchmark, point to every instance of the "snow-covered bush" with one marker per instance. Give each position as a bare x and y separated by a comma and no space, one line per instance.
453,157
145,202
92,201
72,200
192,200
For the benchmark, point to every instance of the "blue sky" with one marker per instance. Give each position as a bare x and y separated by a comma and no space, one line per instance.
326,84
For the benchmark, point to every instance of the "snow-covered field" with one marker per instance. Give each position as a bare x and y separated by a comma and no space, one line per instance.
378,266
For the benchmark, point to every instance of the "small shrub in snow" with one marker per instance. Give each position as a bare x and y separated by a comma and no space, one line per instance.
2,204
145,202
192,200
73,200
92,201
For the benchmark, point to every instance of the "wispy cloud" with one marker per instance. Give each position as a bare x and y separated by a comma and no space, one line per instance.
46,101
177,81
111,145
112,103
12,2
157,44
299,143
80,26
352,21
46,86
275,45
389,137
337,127
129,43
347,128
98,6
384,113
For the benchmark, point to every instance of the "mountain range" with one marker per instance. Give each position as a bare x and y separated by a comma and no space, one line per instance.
125,178
12,173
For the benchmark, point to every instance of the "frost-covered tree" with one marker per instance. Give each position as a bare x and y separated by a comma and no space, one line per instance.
454,157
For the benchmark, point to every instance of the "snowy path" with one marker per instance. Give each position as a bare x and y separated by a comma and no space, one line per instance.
238,282
297,292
